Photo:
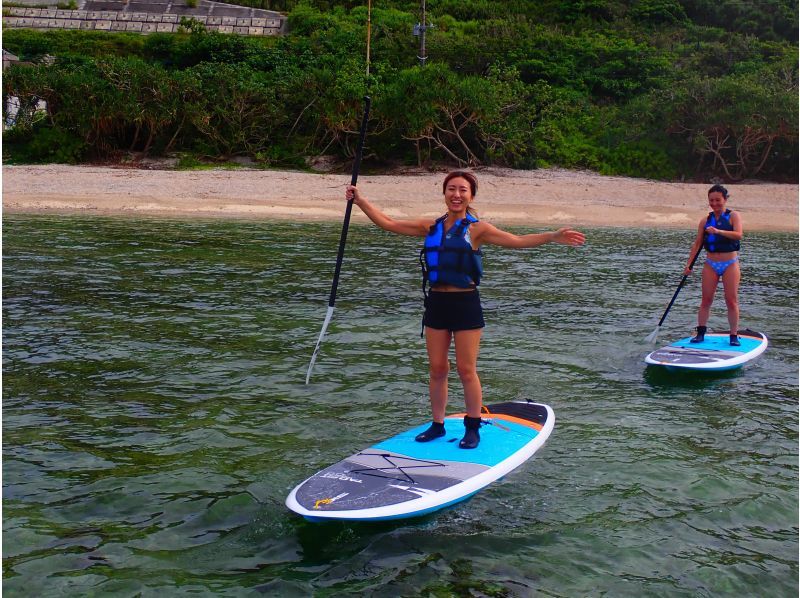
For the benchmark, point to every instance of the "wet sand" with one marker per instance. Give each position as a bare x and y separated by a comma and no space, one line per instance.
541,198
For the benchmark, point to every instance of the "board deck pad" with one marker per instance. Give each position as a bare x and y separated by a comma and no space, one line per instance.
400,477
715,353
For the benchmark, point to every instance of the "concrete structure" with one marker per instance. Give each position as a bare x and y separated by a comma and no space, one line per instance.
9,59
148,16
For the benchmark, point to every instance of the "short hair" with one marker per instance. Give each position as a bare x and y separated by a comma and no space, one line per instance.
471,179
719,189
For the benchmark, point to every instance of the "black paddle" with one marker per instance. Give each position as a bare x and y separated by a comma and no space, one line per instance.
651,338
343,239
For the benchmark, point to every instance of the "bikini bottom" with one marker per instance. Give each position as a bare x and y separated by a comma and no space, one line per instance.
720,267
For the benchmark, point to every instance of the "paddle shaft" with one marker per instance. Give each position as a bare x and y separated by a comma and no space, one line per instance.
680,286
353,180
343,237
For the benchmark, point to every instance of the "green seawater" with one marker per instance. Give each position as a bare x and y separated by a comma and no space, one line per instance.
155,416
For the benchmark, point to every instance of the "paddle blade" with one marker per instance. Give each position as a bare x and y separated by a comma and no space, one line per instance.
327,321
651,338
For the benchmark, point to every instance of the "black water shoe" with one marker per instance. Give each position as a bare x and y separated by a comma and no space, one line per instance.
701,335
471,435
735,340
435,431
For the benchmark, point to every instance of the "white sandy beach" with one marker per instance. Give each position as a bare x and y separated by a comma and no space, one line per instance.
540,198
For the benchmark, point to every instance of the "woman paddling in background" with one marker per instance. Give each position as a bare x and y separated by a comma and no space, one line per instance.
720,233
452,267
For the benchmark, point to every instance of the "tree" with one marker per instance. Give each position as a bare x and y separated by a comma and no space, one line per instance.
733,123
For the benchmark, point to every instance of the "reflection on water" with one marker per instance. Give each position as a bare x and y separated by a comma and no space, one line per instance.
155,416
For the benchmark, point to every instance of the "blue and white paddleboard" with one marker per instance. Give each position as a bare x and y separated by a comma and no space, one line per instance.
714,354
400,478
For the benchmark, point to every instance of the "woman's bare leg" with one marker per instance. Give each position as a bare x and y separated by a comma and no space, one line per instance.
710,281
467,345
438,344
730,282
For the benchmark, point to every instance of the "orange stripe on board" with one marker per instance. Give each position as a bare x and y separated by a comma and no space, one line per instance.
725,335
503,416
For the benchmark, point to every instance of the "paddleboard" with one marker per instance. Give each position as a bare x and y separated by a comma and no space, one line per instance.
714,354
400,478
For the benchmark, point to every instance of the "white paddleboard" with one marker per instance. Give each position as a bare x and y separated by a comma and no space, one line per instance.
714,354
400,478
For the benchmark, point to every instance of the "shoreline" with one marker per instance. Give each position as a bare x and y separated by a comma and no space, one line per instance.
538,198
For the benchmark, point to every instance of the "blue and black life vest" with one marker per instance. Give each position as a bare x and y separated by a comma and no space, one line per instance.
718,243
448,257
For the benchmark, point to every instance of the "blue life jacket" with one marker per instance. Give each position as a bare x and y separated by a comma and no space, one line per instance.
447,256
718,243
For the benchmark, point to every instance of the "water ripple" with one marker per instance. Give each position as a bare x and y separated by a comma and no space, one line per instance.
155,416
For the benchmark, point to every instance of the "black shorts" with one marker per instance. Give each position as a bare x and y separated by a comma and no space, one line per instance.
453,311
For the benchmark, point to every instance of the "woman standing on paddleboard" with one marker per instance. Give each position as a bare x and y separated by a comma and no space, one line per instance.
719,233
451,259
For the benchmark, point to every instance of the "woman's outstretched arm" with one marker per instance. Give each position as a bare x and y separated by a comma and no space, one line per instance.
492,235
411,228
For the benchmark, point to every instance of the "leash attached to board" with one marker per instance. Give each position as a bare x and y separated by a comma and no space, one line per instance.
343,238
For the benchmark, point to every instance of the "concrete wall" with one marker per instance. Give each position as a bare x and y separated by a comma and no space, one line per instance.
148,17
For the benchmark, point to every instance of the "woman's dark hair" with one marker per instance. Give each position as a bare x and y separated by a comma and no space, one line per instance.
719,189
473,182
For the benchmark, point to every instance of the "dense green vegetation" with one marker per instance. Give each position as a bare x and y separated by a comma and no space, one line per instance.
654,88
